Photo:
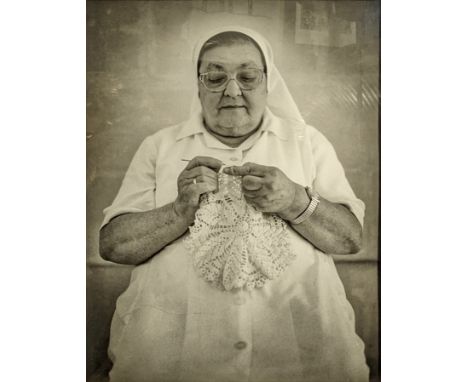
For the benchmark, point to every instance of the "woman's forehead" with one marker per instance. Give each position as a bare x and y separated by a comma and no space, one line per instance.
232,56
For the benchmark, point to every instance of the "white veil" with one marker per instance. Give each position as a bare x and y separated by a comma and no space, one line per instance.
279,101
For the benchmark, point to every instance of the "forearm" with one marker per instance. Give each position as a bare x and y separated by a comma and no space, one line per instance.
332,227
135,237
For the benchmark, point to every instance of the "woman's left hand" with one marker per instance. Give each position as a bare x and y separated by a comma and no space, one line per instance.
268,189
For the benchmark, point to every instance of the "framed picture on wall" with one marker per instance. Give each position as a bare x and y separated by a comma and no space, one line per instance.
317,24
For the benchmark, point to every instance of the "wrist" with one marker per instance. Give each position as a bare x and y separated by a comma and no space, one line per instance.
298,205
183,213
314,201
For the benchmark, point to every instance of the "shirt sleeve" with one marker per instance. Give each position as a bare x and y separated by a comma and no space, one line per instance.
330,181
137,192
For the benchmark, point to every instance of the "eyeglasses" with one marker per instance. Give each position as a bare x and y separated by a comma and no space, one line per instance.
247,79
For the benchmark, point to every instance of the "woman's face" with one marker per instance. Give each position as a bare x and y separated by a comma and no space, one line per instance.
233,112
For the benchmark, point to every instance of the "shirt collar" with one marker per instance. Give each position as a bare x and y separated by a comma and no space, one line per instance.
191,127
273,124
270,123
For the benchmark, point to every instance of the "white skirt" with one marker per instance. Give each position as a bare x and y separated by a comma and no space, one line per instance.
172,325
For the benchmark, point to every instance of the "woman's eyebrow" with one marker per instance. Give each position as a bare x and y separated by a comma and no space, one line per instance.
219,66
213,65
248,64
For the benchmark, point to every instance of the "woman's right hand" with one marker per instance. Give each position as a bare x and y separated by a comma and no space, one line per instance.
200,176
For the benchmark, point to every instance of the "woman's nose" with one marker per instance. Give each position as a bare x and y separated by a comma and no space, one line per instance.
232,89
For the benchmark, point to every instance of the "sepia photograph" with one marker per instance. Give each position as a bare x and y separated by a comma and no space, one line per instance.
233,191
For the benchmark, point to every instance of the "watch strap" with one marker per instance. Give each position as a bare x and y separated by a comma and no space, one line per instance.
314,202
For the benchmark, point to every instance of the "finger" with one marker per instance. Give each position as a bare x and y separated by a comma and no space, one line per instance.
260,203
254,202
252,183
185,182
202,188
262,192
247,169
200,171
206,179
193,191
212,163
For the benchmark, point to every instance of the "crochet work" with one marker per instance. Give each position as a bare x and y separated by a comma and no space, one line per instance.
233,245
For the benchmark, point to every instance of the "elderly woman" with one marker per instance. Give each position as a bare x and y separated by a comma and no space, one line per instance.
235,281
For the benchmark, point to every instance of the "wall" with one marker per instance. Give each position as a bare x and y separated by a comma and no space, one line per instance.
139,80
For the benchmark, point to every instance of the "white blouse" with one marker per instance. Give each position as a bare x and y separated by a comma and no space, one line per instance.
172,325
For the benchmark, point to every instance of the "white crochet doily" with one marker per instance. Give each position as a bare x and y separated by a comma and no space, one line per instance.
233,245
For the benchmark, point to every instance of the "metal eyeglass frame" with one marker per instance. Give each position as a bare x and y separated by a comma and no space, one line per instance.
230,77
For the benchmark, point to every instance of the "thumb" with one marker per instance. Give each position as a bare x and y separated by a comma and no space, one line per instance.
251,183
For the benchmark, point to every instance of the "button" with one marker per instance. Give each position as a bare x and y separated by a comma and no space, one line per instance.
240,345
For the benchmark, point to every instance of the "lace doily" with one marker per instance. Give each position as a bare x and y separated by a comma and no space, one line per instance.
233,245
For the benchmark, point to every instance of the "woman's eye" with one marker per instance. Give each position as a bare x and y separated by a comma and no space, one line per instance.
216,78
248,78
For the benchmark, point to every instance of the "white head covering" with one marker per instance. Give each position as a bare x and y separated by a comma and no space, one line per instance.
279,100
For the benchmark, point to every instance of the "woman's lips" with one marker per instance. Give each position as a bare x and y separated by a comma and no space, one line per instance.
232,107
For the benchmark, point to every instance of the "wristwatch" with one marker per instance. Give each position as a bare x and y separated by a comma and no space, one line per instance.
314,202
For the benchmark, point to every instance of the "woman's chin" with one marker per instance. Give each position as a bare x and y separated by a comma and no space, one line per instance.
234,131
231,125
234,126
